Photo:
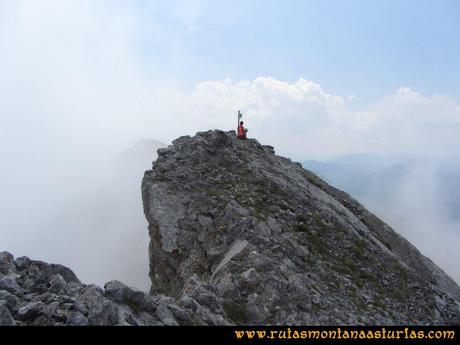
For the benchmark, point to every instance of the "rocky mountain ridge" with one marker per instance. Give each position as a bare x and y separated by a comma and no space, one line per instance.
239,235
276,244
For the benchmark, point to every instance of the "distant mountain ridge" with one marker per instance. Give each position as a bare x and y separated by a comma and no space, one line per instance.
374,177
418,195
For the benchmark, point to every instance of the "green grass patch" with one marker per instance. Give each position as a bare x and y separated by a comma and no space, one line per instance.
379,304
301,227
237,312
359,249
301,218
342,269
368,276
317,243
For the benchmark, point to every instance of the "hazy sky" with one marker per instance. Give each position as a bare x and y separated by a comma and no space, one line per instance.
82,80
376,76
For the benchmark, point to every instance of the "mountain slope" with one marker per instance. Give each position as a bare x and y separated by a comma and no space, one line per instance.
239,235
377,180
418,197
269,242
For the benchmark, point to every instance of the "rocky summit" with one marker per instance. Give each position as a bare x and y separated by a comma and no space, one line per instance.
239,235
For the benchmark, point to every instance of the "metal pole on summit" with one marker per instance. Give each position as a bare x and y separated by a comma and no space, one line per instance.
239,117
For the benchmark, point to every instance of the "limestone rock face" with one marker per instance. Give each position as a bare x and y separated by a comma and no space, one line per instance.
37,293
239,235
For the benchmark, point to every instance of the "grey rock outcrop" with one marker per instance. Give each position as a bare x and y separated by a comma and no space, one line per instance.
37,293
240,235
5,317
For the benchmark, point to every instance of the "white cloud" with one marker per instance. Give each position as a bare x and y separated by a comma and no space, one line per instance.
409,122
304,120
275,111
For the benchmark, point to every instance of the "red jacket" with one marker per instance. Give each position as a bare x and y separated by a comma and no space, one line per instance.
241,131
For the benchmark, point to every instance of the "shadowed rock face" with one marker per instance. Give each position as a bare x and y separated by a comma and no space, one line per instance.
240,235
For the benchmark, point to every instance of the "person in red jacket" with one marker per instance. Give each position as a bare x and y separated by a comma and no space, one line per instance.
241,131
